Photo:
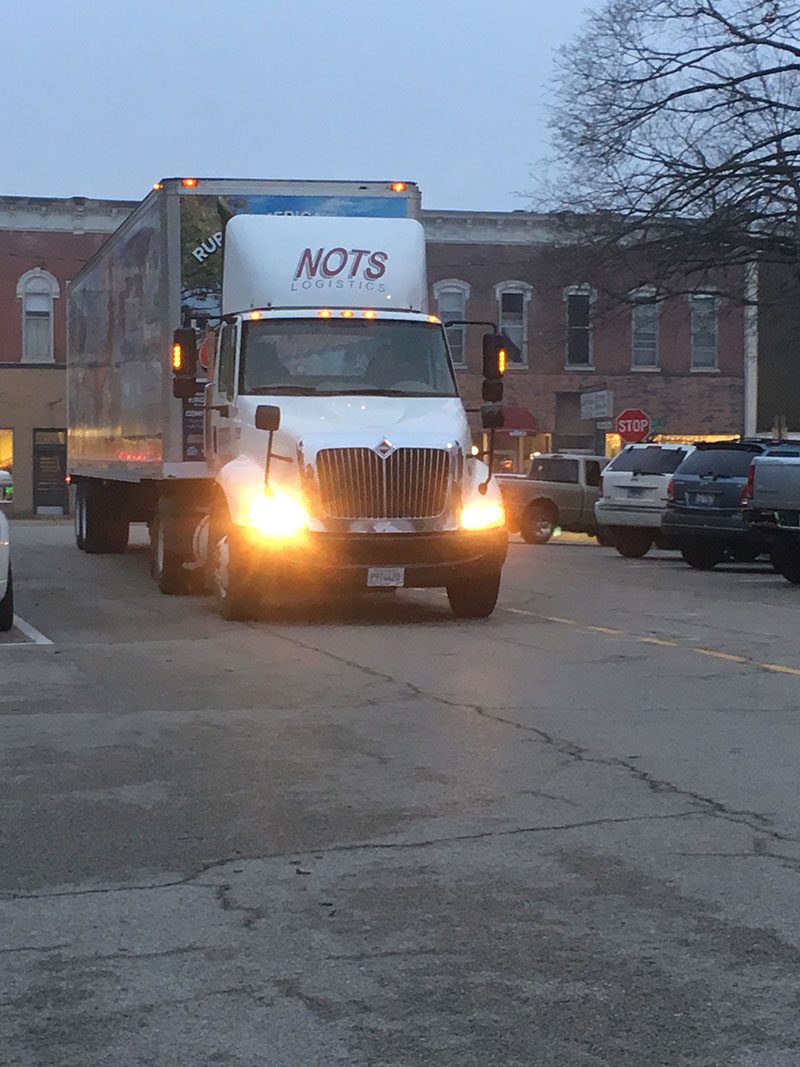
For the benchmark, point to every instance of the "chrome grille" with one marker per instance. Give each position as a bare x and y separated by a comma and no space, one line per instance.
355,483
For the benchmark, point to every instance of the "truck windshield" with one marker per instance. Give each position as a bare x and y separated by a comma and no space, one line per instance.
332,357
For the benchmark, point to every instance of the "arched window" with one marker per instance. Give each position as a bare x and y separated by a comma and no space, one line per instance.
513,298
451,296
37,289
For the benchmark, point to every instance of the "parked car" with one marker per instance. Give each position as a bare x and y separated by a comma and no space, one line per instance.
559,490
6,583
772,506
704,515
634,495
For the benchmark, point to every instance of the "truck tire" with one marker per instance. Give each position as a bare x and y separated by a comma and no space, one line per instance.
703,555
236,593
632,542
604,537
7,605
538,522
474,597
101,519
786,561
166,564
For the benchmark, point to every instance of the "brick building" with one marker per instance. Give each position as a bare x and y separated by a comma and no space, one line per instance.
43,243
681,359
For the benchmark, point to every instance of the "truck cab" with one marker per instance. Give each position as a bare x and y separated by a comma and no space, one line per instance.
337,443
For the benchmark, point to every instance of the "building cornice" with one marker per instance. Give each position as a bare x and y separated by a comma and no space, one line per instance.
75,214
493,227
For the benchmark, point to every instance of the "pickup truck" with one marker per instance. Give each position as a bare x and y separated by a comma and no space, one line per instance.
559,490
772,505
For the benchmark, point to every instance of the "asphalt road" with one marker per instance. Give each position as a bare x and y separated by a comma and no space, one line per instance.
567,835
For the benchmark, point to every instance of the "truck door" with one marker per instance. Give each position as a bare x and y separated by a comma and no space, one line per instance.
221,430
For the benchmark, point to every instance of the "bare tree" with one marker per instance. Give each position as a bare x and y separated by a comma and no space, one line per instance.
677,131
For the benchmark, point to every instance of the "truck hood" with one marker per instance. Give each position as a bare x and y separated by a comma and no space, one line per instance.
312,423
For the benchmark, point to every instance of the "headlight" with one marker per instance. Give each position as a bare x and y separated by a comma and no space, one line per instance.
277,514
482,515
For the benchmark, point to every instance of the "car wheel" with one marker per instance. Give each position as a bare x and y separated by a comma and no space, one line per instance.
703,555
7,605
538,523
632,543
604,537
786,561
474,597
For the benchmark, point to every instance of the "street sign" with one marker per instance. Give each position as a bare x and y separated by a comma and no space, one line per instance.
633,425
597,405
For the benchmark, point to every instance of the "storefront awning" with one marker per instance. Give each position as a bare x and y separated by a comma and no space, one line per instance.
518,420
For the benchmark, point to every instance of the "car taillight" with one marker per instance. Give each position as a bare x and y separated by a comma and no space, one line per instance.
671,489
749,485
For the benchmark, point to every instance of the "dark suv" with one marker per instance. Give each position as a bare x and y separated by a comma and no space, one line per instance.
704,514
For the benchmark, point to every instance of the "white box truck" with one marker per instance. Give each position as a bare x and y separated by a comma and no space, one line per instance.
252,370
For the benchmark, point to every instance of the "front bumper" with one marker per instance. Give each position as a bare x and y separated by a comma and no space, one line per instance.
429,559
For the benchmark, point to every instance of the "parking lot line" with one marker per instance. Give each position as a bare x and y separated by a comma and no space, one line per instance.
36,636
779,667
721,655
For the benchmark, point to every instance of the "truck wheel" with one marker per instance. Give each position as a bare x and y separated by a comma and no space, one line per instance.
476,597
632,543
703,555
604,537
786,561
235,592
538,523
101,519
7,605
166,565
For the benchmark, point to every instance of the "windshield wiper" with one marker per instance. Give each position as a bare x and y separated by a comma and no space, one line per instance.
379,392
288,390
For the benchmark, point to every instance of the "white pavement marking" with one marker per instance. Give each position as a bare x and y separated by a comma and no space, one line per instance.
36,636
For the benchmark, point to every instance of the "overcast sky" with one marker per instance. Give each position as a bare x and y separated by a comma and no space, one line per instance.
103,97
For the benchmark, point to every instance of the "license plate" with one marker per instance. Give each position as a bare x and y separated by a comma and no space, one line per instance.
704,500
386,577
636,490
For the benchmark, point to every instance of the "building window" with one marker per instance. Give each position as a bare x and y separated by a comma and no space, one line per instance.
644,328
512,304
451,297
37,289
705,330
579,300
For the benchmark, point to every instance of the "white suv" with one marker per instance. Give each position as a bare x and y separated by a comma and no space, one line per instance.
6,585
634,495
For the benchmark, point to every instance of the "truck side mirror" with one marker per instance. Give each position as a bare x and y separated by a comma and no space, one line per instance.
268,417
492,417
184,362
498,351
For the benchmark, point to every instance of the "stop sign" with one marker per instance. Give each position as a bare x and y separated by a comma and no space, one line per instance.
633,425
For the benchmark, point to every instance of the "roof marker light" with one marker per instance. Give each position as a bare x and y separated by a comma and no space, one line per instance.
325,313
370,314
434,318
399,187
256,315
158,185
347,314
189,183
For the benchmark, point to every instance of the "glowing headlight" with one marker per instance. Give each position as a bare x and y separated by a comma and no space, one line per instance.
277,515
482,515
